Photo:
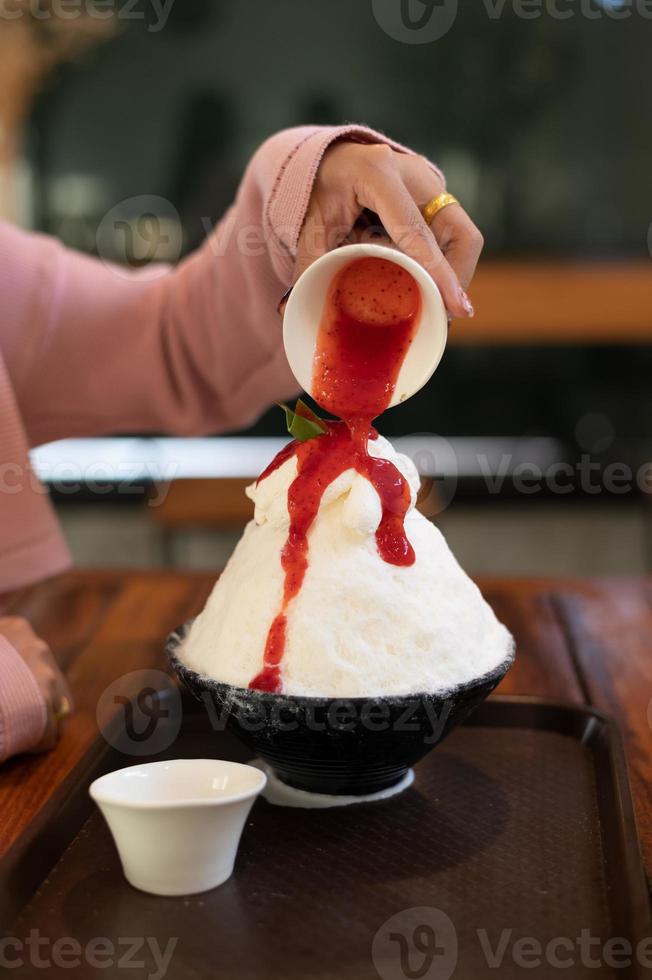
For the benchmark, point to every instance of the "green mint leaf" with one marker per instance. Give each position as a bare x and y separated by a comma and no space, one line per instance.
307,413
302,423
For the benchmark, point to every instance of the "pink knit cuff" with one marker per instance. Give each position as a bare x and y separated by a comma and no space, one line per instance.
23,712
33,561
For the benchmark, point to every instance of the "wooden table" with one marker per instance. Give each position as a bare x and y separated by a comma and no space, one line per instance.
581,641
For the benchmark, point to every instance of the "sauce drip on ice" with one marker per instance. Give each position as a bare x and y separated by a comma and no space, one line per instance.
369,320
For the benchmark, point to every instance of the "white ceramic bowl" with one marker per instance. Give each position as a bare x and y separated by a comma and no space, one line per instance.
305,305
177,824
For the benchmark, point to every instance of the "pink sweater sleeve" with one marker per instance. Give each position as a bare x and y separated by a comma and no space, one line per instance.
23,714
91,348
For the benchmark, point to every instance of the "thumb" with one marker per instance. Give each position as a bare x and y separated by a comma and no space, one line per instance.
313,243
319,234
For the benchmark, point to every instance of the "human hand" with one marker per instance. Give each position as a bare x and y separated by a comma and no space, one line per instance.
357,176
52,684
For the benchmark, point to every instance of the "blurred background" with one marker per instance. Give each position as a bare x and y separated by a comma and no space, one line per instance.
125,128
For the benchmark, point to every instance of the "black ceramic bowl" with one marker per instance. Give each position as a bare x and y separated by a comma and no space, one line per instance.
342,746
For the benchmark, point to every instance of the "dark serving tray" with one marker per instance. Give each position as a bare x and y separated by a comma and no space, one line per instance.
514,854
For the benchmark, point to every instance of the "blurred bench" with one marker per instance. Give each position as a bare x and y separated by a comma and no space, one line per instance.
195,503
538,302
221,504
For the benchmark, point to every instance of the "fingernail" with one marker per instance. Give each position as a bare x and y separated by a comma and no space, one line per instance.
466,303
283,300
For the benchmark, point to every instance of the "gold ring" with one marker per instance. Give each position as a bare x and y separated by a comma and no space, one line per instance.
437,204
62,709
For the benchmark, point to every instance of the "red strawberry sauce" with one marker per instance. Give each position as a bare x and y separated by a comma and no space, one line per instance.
369,320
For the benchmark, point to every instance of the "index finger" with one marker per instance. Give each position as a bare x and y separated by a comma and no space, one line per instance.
393,203
459,239
58,681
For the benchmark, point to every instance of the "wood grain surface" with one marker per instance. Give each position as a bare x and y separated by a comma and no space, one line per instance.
583,641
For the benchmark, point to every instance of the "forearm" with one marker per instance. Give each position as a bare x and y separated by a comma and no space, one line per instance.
101,349
93,348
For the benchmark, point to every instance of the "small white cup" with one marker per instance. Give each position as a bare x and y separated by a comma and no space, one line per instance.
177,824
305,306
